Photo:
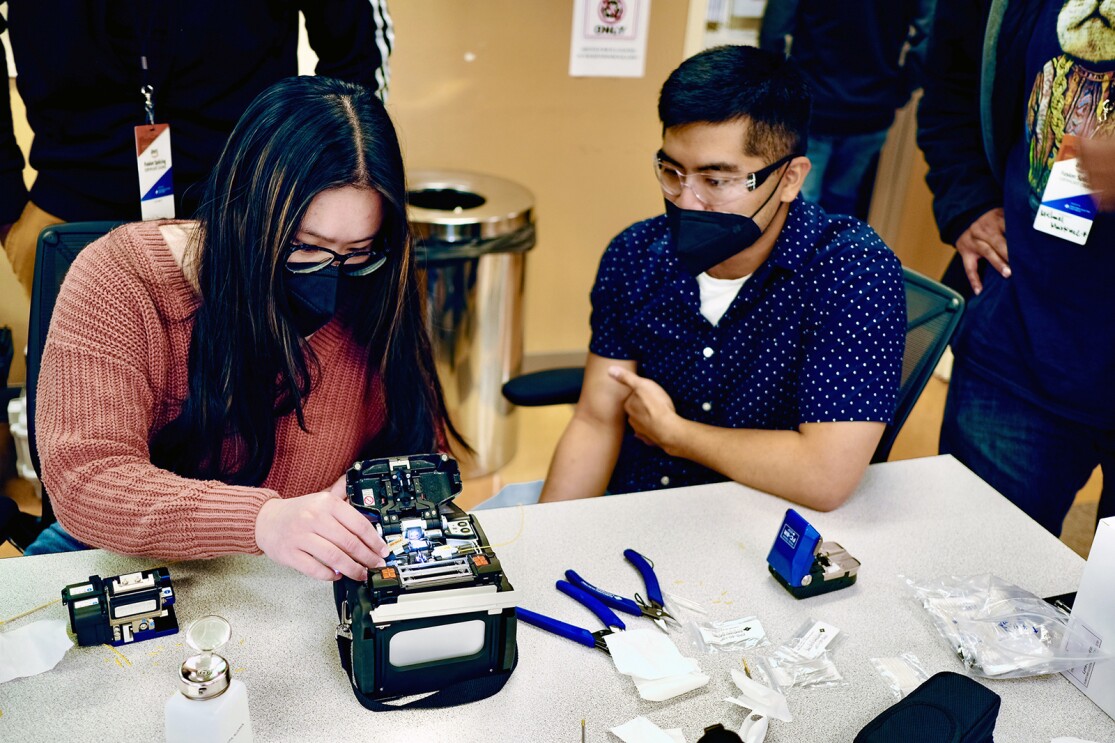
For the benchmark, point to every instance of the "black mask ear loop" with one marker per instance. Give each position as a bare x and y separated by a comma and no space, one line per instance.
772,193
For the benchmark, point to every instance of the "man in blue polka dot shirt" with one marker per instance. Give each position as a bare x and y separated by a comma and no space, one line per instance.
745,334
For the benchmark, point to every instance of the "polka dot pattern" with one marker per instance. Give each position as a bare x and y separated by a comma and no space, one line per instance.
815,335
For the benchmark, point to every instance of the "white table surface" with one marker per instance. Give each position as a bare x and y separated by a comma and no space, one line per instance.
921,518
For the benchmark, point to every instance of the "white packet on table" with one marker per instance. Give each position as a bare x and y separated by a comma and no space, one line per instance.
815,637
744,633
902,674
786,668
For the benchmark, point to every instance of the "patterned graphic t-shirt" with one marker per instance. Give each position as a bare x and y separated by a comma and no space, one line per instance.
1048,332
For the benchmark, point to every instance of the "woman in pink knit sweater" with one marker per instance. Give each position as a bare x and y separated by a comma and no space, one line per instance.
205,384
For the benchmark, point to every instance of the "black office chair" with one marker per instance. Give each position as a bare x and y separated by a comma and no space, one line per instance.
932,314
57,248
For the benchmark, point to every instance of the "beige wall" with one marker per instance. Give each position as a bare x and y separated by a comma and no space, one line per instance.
901,207
483,85
583,146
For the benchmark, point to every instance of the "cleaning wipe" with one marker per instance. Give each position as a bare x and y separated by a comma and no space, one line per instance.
642,730
661,689
754,728
647,654
760,699
33,648
653,662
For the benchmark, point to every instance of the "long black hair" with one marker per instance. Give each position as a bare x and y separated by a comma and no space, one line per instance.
247,363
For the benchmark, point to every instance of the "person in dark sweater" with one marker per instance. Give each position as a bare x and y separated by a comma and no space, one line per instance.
862,59
1018,95
81,67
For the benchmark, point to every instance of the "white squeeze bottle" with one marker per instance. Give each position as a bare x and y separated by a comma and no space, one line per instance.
210,706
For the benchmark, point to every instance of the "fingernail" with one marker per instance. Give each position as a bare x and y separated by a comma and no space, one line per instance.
1006,272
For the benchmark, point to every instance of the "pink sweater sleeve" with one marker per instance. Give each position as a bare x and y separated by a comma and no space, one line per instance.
97,403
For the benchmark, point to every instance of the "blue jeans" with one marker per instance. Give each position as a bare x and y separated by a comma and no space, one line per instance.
54,539
840,166
1037,459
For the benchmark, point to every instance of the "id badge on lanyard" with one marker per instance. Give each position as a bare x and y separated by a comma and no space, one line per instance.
153,164
1067,208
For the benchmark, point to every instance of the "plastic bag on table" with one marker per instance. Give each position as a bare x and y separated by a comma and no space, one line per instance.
743,633
902,674
786,667
998,629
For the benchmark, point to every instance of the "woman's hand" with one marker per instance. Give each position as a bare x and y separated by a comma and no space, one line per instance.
319,535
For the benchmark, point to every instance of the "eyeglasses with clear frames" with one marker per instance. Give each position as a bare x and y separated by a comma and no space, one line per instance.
711,188
305,258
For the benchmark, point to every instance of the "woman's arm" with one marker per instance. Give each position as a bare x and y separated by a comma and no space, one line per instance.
101,388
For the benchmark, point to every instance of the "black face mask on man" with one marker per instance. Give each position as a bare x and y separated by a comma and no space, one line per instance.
312,298
704,239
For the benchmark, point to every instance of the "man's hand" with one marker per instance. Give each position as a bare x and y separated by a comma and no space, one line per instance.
650,411
1097,161
319,535
985,238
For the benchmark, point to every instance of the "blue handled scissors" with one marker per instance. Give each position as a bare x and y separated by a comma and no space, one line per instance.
577,634
654,607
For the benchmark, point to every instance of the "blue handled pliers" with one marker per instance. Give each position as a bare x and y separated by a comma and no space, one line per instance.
572,632
655,608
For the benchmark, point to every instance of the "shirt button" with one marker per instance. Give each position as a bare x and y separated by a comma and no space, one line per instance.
706,406
665,480
708,352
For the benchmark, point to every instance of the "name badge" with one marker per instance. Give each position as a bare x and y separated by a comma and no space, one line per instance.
153,163
1067,208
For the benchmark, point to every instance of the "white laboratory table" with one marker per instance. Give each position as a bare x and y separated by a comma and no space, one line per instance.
920,518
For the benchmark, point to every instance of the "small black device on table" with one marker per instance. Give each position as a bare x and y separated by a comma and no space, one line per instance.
806,566
121,609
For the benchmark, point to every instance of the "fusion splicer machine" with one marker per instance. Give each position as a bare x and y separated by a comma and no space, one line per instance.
806,566
123,609
441,612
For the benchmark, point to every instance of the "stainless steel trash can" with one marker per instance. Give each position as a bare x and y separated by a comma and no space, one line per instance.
472,232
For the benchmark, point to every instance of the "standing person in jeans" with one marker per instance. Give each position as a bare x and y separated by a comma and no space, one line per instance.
82,67
862,60
1013,86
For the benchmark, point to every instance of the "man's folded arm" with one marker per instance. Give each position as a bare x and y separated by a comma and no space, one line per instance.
818,466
